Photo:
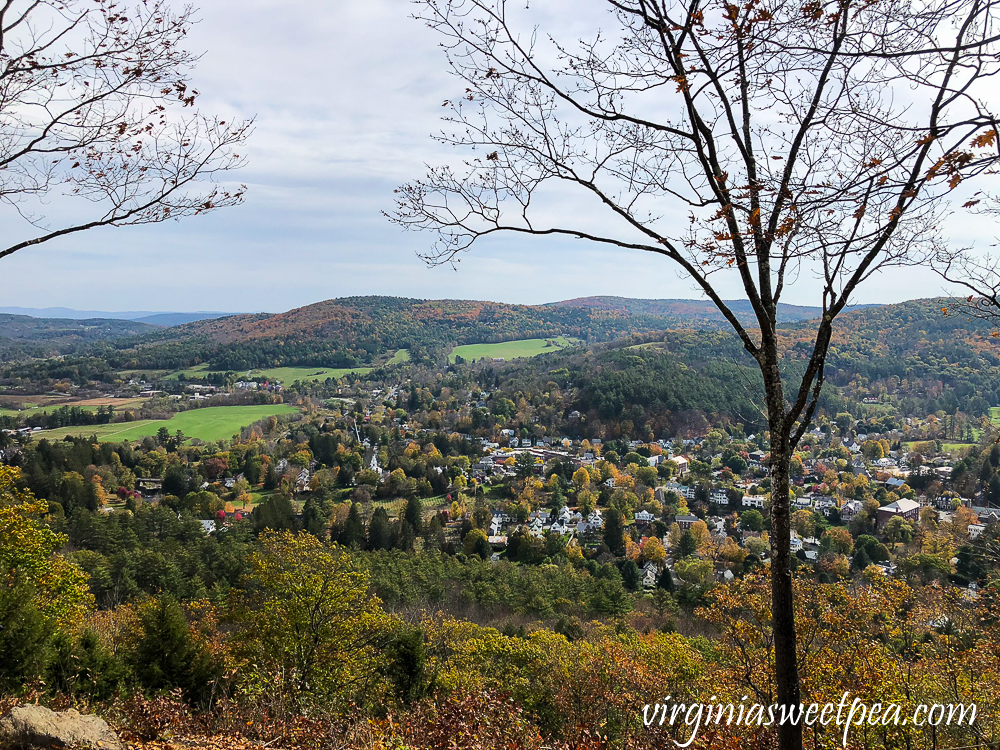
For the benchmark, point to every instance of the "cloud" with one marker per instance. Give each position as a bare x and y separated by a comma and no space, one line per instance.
345,95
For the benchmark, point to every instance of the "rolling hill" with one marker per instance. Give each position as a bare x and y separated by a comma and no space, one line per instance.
699,312
22,336
357,331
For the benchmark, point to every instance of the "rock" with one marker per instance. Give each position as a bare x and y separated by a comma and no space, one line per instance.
38,727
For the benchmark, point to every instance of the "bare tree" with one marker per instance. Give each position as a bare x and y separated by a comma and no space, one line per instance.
768,142
976,274
95,128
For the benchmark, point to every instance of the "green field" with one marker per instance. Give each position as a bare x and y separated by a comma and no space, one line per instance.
395,506
510,349
208,424
954,447
290,374
30,409
401,356
198,371
151,373
286,375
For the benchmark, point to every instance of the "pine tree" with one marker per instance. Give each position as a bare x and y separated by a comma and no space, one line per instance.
316,514
665,580
83,668
434,539
402,536
353,533
24,633
167,656
270,477
413,515
614,531
631,577
379,530
275,513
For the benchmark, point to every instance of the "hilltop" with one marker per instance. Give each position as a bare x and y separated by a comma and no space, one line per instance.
22,336
690,310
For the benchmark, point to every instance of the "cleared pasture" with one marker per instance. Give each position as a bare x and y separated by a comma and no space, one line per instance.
208,424
511,349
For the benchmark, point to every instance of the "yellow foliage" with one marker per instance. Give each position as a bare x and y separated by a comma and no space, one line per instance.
310,623
28,548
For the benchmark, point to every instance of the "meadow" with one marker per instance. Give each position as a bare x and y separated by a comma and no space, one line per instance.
511,349
286,375
46,404
289,375
401,356
208,424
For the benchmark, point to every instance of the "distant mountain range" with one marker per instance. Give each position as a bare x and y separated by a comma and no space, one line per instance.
166,319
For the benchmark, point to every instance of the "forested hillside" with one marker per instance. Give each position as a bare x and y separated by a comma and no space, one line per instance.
694,311
651,357
22,336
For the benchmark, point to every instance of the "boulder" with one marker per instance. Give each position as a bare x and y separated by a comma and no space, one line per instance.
38,727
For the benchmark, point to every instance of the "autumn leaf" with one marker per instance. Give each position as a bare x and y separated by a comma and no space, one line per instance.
985,139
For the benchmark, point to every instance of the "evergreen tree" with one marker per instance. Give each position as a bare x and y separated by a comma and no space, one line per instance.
252,470
665,580
167,656
353,533
404,663
860,561
316,513
176,481
379,530
402,536
631,577
687,546
83,669
24,634
270,477
477,543
275,513
524,465
434,539
413,515
613,531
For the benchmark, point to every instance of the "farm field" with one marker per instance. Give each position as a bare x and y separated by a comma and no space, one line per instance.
954,447
395,506
198,371
510,349
50,405
130,374
291,374
284,374
208,424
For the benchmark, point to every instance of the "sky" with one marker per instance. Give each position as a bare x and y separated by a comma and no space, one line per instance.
345,94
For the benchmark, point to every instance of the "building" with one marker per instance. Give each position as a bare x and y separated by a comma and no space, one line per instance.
908,509
643,517
686,522
719,496
850,509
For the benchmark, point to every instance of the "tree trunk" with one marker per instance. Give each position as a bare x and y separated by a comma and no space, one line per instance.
786,672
